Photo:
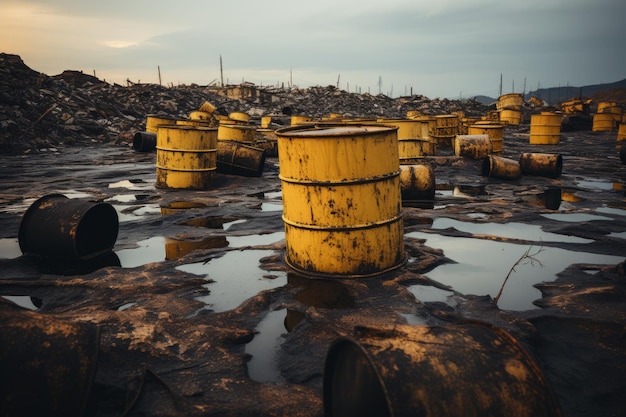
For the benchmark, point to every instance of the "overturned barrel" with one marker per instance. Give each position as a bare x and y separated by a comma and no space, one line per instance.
499,167
186,156
144,141
472,146
417,183
541,164
237,158
341,199
48,364
468,369
57,226
494,131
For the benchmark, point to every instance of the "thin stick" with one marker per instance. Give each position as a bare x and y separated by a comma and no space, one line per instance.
528,257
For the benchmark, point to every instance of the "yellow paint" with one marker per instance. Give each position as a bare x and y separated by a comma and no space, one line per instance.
236,132
153,121
545,128
495,133
603,122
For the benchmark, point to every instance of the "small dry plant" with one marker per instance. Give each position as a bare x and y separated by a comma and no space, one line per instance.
526,258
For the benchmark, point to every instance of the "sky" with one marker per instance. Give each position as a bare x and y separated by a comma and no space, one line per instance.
436,48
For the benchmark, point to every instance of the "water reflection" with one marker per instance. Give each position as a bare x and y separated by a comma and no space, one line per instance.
10,248
176,248
263,349
482,266
574,217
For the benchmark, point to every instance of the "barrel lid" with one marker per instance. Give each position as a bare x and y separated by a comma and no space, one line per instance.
310,131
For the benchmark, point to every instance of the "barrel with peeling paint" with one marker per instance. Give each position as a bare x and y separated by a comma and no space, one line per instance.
237,158
417,183
410,142
545,128
341,199
48,364
152,121
541,164
494,131
465,369
499,167
236,132
510,101
472,146
57,226
186,157
446,129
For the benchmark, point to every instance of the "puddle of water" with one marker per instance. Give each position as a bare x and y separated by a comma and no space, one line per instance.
237,277
176,248
412,319
482,266
210,222
179,206
597,184
255,240
122,198
126,306
149,250
271,207
263,366
611,210
10,248
74,194
460,190
274,195
428,294
132,185
24,301
619,235
507,230
227,225
574,217
125,213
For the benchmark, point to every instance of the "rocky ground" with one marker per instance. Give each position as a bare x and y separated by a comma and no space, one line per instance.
162,350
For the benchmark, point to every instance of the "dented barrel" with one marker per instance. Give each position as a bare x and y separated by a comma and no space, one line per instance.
239,159
186,156
541,164
472,146
465,369
499,167
494,131
341,199
57,226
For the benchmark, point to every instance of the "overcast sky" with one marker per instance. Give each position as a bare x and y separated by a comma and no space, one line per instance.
438,48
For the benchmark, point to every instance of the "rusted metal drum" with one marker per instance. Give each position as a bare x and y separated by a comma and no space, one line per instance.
57,226
48,364
494,131
341,199
197,122
499,167
298,119
207,107
510,101
510,116
144,141
239,116
237,158
545,128
236,132
621,132
467,369
417,183
186,157
152,121
472,146
266,121
200,115
446,129
541,164
409,137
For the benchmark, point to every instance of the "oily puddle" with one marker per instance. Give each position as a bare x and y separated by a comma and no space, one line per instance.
482,265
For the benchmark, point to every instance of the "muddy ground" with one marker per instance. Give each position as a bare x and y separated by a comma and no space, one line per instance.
164,351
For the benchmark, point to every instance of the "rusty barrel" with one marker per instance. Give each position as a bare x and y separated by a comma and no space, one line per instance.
236,132
541,164
417,183
446,129
341,199
603,122
186,156
153,120
57,226
510,101
48,364
238,158
510,116
545,128
144,141
499,167
494,131
472,146
465,369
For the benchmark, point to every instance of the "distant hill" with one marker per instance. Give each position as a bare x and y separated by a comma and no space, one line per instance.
487,101
555,95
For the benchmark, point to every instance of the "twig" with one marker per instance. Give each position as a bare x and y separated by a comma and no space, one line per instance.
524,259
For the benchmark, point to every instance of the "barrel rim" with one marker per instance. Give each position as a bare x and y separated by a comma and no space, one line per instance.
342,131
337,276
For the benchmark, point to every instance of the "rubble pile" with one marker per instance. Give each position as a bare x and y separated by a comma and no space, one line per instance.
38,111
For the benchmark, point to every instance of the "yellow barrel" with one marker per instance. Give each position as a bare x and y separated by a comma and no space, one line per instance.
300,119
603,122
606,106
428,124
417,183
510,116
545,128
411,149
200,115
196,122
413,114
207,107
409,134
236,132
495,133
472,146
466,122
446,129
465,369
186,156
499,167
621,132
341,199
541,164
510,101
265,121
239,116
152,121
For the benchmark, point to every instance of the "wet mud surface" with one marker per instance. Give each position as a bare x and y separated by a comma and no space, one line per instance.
199,315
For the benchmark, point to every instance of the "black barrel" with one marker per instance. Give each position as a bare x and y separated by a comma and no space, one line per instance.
57,226
144,142
468,369
47,364
622,154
